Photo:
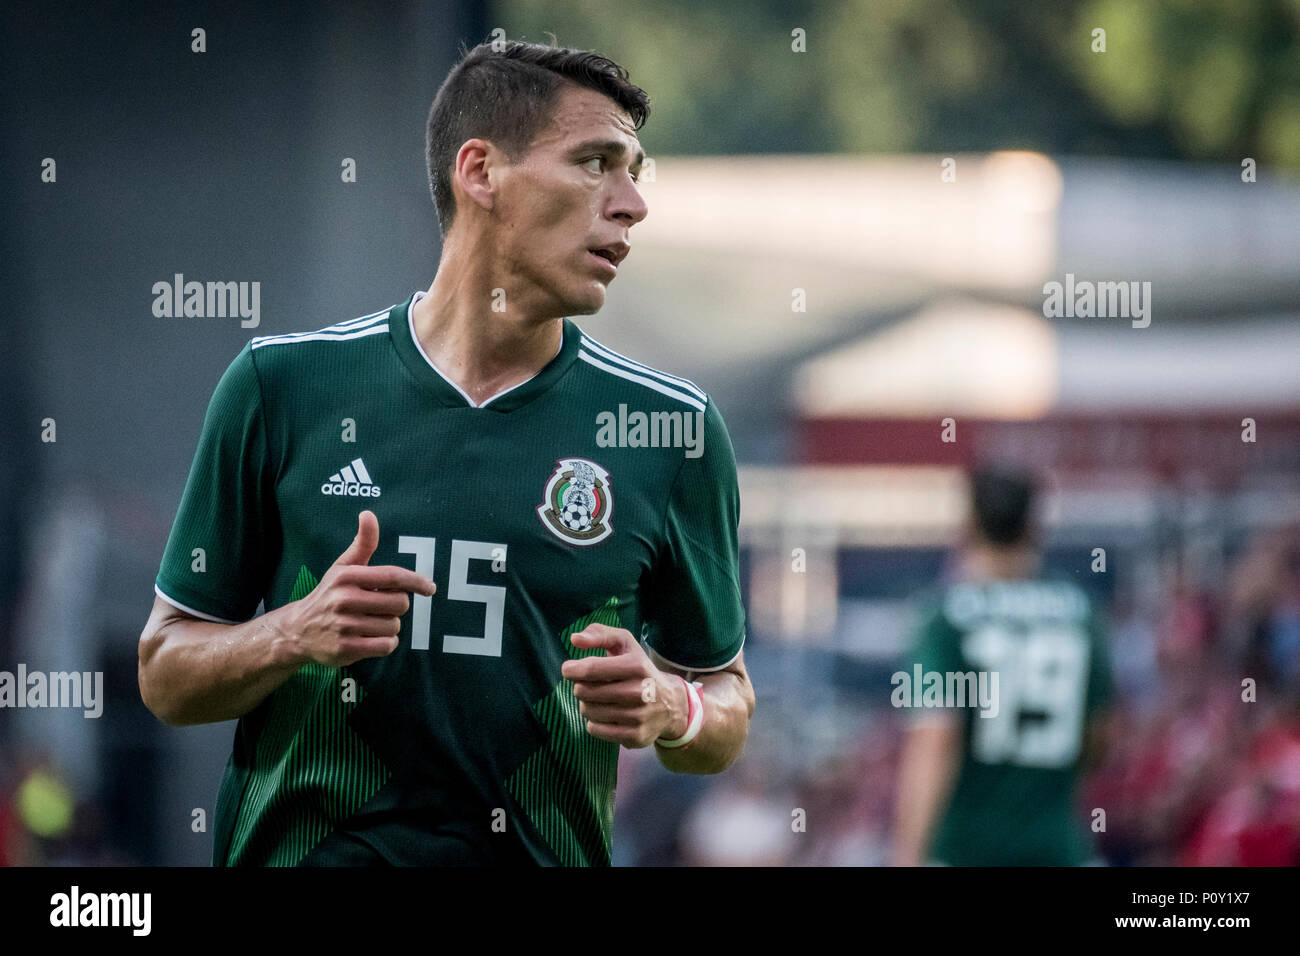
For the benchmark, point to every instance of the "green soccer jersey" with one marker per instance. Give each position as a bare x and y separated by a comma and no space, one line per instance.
1013,799
600,490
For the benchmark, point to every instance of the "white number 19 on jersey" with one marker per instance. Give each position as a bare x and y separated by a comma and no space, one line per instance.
1042,682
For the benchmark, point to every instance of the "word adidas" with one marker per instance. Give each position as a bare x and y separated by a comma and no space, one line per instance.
56,689
352,481
949,689
656,430
208,300
1105,300
75,908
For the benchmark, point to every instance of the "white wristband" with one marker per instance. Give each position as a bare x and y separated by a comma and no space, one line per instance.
695,718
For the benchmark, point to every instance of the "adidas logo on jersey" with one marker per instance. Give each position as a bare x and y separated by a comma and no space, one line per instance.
352,481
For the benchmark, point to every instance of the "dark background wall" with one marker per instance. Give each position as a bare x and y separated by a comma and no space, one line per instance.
223,165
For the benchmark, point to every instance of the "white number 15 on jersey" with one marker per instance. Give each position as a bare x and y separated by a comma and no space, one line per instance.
493,597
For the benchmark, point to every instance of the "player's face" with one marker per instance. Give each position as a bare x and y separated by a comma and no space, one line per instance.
575,191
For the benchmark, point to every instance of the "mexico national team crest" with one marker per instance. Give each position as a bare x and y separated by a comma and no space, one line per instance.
577,504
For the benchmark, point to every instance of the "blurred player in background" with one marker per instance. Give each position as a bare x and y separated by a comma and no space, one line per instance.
997,788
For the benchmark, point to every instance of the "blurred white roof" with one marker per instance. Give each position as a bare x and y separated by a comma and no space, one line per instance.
993,361
730,242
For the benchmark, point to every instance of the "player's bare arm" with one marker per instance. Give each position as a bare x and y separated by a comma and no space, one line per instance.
193,671
927,771
629,699
728,707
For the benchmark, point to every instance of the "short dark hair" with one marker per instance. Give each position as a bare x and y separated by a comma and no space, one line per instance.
1002,500
505,92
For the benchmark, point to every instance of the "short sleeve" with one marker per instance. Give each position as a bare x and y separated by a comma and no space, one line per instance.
936,643
935,647
219,555
692,612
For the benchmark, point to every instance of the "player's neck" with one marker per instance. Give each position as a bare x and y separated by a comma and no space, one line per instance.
986,563
482,350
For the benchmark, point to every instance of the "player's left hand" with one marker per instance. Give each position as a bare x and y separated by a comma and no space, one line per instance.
625,698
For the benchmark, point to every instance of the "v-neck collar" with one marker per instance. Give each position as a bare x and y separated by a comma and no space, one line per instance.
401,329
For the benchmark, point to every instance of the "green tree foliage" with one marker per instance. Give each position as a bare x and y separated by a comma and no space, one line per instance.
1208,80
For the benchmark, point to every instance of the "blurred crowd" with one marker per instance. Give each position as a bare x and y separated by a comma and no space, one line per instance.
1203,766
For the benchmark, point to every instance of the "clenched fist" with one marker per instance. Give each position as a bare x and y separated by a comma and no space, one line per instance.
624,697
355,611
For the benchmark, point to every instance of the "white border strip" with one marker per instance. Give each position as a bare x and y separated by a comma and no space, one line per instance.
189,610
410,324
698,670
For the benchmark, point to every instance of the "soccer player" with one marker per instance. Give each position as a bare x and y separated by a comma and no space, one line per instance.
995,785
483,571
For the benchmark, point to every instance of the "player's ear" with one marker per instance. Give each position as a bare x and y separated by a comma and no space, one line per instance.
478,162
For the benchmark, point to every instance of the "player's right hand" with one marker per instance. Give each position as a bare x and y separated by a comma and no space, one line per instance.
355,611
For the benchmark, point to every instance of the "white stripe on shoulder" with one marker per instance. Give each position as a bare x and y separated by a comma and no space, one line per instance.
619,359
338,327
364,320
372,327
657,385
